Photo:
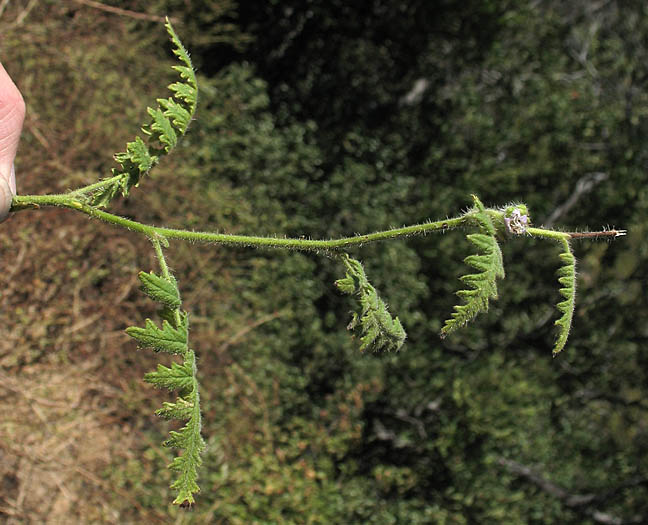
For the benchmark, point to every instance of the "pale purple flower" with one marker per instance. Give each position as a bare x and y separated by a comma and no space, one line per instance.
516,223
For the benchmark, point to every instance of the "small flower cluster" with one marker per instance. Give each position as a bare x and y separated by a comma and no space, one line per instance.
517,222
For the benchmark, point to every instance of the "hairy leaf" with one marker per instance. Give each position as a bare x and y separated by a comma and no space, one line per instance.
379,330
168,314
162,129
160,289
179,116
138,155
170,119
104,196
167,339
567,278
181,409
178,377
172,337
190,440
483,286
184,92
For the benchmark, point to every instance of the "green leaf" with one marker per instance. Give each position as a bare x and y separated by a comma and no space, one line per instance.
181,409
179,116
168,314
180,52
162,129
483,285
178,377
137,154
167,339
160,289
189,439
186,72
105,195
379,330
567,278
170,119
184,92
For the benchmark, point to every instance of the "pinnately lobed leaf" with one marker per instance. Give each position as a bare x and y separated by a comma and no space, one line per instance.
379,330
483,285
172,338
170,120
567,278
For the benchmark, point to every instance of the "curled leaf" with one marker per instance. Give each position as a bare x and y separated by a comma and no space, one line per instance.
380,331
483,285
567,278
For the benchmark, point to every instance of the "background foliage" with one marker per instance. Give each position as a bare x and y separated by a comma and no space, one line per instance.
324,119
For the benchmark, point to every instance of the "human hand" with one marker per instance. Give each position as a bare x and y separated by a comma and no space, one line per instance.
12,114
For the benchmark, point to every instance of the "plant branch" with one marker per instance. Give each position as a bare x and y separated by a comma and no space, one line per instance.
597,235
94,187
122,12
161,260
558,235
576,501
157,246
76,200
71,201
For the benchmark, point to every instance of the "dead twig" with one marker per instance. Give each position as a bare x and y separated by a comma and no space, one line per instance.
123,12
581,502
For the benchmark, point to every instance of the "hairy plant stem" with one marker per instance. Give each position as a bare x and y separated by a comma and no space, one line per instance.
76,200
71,201
94,187
157,246
548,234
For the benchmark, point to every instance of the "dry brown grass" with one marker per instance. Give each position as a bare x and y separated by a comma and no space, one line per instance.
62,428
72,402
69,376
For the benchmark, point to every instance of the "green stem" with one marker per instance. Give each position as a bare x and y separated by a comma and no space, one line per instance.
548,234
23,202
93,187
161,260
157,246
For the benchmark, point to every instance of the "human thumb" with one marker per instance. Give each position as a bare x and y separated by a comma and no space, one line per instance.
7,191
12,114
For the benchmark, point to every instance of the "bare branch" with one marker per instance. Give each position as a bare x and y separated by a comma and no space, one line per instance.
583,186
597,235
122,12
577,501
